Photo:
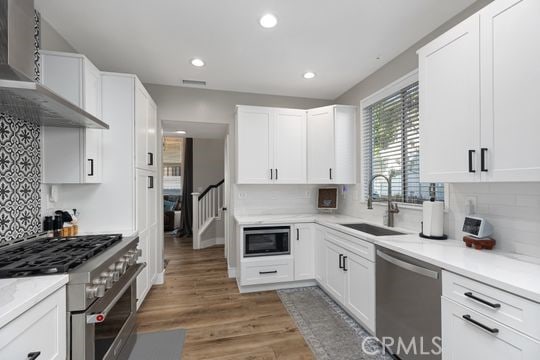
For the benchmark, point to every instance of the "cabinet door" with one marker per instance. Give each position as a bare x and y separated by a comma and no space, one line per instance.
465,340
319,245
360,295
304,252
335,276
253,146
141,128
320,145
152,136
449,73
143,279
142,184
289,146
510,78
345,145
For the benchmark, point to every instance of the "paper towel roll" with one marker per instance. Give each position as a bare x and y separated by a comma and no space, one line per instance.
433,218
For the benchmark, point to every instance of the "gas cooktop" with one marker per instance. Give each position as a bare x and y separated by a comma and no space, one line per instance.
42,255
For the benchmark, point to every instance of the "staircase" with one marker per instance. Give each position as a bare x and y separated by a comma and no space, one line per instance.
207,209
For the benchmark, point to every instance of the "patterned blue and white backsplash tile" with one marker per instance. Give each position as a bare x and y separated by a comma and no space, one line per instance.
20,178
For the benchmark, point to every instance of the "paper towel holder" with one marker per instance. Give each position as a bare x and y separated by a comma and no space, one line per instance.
443,237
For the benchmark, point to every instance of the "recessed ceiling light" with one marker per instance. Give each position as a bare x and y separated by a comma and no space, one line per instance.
180,132
309,75
197,62
268,21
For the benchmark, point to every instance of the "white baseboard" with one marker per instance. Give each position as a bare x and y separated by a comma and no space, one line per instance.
160,278
275,286
211,242
231,272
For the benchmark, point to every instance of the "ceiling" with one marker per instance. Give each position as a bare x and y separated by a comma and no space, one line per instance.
196,130
342,41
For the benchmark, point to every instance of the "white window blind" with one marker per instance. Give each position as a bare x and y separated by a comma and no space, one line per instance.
391,148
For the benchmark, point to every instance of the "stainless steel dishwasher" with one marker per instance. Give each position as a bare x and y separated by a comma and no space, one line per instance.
408,315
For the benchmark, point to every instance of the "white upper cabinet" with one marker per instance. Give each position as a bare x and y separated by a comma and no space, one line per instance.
477,95
331,145
72,155
450,105
145,129
510,32
270,145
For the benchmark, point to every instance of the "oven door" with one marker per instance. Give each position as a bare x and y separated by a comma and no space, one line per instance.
102,331
264,241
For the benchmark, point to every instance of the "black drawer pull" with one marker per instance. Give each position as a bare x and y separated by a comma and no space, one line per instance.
91,167
485,302
471,154
330,173
483,153
33,355
151,182
345,264
297,234
267,272
479,324
150,158
340,257
271,174
277,174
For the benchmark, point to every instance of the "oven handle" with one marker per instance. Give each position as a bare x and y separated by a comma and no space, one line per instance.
408,266
102,315
278,231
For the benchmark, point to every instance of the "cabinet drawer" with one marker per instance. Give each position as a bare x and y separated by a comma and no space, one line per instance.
40,329
469,335
267,271
511,310
355,245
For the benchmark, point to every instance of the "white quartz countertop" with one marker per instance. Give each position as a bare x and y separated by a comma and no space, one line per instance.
510,272
17,295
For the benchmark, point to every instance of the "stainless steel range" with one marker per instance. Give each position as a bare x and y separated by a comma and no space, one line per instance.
101,291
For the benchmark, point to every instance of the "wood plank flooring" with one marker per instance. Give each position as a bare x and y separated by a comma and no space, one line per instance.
221,322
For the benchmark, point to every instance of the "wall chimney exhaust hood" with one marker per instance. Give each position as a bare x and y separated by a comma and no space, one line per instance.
19,95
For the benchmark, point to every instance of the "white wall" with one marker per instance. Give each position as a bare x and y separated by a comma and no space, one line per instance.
52,40
208,162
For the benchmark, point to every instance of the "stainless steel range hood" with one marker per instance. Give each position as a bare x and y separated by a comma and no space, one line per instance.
19,95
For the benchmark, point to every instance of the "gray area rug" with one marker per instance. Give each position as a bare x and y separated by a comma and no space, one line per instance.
329,331
163,345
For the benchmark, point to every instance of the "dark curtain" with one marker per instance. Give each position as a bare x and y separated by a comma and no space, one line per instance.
186,217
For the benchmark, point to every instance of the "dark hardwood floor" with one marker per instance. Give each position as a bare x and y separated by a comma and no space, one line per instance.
221,323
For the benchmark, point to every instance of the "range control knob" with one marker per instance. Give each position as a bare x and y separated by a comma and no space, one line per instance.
131,258
95,291
107,279
121,266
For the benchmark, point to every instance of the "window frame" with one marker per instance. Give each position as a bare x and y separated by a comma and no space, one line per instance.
386,91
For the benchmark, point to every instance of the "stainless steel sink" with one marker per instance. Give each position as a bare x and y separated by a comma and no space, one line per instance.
372,229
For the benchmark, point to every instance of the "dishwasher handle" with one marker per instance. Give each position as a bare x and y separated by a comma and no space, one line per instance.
408,266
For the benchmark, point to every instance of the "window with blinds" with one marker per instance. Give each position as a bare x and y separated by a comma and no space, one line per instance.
391,148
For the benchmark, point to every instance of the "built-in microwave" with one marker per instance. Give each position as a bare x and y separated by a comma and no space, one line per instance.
266,241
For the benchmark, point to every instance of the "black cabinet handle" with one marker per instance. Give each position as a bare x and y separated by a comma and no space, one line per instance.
271,174
33,355
483,153
485,302
151,182
340,257
479,324
150,158
268,272
91,167
345,264
471,154
277,174
330,171
297,234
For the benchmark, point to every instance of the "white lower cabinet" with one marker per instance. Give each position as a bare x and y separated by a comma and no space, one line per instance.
273,269
41,329
360,288
303,244
469,335
335,276
319,247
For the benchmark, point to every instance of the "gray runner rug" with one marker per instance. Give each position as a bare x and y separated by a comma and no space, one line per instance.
163,345
329,331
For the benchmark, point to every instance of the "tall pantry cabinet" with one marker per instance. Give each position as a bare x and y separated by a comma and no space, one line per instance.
126,103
